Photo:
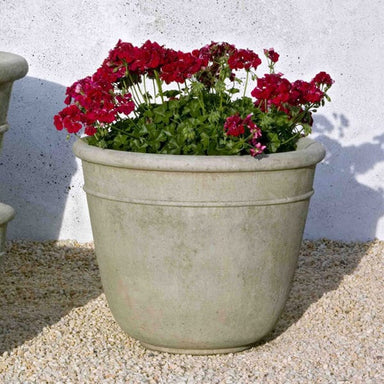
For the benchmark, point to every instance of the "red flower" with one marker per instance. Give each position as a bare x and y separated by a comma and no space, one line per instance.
212,54
217,50
108,73
69,118
125,104
234,125
138,60
322,78
147,58
272,89
251,125
303,93
256,134
90,130
257,149
243,58
122,52
182,67
271,54
93,102
58,122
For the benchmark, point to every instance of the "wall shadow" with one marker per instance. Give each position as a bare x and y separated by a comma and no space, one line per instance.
40,283
343,208
36,162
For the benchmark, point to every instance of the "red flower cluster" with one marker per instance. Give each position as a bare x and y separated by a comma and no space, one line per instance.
322,78
235,126
243,59
271,55
171,65
302,92
215,52
138,60
182,66
258,148
273,89
105,97
93,101
237,58
69,118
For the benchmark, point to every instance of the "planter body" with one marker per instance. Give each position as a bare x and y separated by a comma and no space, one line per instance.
12,67
197,253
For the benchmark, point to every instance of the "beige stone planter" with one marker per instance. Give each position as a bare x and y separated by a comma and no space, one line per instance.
197,253
12,67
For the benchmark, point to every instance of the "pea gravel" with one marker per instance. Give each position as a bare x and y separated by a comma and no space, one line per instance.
55,325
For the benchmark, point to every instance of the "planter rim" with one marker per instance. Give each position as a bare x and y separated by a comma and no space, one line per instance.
7,213
309,152
3,128
12,67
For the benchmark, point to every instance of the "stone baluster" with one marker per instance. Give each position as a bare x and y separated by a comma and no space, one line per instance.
12,67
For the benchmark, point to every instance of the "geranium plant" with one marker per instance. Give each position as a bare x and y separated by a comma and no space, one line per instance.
158,100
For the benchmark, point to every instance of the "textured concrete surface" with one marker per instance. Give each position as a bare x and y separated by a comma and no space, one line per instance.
168,257
67,40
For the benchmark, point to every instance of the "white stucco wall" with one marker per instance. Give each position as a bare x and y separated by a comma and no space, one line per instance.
64,40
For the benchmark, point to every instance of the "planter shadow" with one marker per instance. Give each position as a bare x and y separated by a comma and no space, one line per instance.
342,167
40,283
341,208
322,265
36,162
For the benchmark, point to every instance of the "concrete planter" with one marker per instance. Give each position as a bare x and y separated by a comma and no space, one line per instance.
197,253
12,67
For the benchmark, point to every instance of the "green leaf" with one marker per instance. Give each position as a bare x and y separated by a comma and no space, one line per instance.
214,117
171,93
307,128
274,142
120,141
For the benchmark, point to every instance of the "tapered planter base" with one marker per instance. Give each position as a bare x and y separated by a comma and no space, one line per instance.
195,351
7,213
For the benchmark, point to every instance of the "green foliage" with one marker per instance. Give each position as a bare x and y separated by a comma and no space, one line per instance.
194,126
177,126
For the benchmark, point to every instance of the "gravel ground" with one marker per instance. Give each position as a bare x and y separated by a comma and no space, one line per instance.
55,325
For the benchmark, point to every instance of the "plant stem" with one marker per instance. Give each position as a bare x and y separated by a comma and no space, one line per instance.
145,91
135,94
299,116
134,97
291,138
186,88
158,82
154,89
246,83
201,101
